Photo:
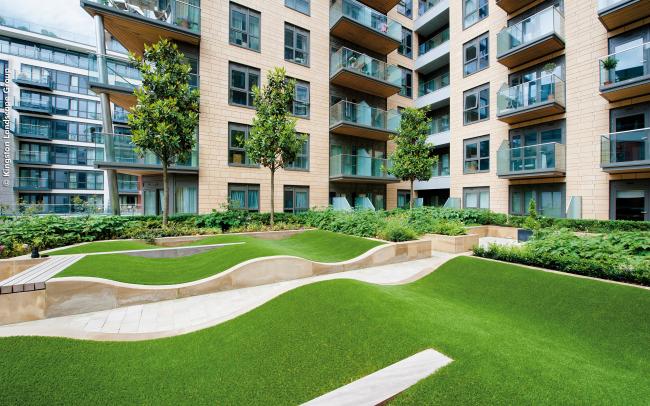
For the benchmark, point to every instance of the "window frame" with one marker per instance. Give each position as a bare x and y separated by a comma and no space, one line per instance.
246,188
248,12
304,154
247,70
403,86
403,45
536,189
246,130
477,92
477,11
476,42
295,102
478,190
293,189
295,32
478,141
405,8
308,12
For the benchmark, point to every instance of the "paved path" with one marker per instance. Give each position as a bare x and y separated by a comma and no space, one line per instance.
174,317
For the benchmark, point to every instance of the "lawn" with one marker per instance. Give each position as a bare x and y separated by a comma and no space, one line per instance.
517,336
105,246
315,245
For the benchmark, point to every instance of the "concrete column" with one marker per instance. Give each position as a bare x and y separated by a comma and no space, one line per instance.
113,202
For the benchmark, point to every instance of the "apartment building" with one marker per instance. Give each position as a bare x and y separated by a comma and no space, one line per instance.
54,137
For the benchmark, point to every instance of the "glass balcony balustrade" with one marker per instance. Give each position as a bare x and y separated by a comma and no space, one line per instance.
439,125
529,160
625,67
434,84
625,148
33,130
366,17
361,114
345,165
33,183
104,71
121,150
536,27
532,94
34,77
434,42
37,157
365,65
33,104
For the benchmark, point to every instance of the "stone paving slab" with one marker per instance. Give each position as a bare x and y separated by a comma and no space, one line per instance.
386,383
179,316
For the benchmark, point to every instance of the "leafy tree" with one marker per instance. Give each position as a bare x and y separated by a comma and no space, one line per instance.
273,141
412,159
164,120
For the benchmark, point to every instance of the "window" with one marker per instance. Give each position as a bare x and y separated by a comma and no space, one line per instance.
405,8
403,199
407,83
406,46
474,11
185,199
296,199
475,55
441,168
534,147
476,198
242,80
477,155
300,104
298,5
245,197
296,44
244,27
476,104
549,199
302,158
3,66
237,135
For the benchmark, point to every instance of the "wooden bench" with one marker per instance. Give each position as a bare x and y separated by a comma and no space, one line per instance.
35,277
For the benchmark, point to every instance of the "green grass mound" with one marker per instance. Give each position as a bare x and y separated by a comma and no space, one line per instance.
517,336
105,246
315,245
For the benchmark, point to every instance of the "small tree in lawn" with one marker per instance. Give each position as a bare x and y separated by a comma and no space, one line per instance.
412,159
273,141
164,120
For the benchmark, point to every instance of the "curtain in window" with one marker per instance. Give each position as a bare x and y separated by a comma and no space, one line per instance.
253,200
302,201
238,199
186,200
150,202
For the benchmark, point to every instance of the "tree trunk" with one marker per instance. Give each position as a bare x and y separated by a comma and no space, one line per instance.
412,196
272,195
165,195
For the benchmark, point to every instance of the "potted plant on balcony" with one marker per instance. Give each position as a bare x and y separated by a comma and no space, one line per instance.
609,64
548,70
183,22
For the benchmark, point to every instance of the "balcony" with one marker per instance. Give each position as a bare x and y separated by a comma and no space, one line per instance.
383,6
432,16
617,13
33,157
119,154
128,186
433,53
626,151
531,100
32,184
36,79
120,117
533,161
439,133
346,168
361,72
361,120
359,24
510,6
29,105
531,38
137,22
434,93
626,74
117,78
33,131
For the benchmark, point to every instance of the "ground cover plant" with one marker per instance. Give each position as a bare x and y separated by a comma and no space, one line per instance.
516,335
315,245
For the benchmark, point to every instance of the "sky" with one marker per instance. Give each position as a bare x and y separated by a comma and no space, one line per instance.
60,14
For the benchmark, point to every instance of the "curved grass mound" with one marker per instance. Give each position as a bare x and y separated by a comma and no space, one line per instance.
105,246
314,245
517,336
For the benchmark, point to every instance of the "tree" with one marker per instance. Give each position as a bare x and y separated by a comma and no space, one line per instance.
273,141
165,117
412,159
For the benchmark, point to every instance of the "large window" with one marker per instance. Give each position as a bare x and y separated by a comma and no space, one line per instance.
298,5
405,8
474,11
534,147
296,44
476,55
296,199
242,81
300,104
237,135
549,199
403,198
302,158
185,199
441,168
244,197
477,155
406,46
3,66
476,198
244,27
407,83
476,104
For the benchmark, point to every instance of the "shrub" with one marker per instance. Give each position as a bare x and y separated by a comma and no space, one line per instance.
397,230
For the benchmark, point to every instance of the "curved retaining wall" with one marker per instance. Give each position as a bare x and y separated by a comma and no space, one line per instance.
74,295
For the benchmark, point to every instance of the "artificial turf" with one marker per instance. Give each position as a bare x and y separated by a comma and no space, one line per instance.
315,245
105,246
516,335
